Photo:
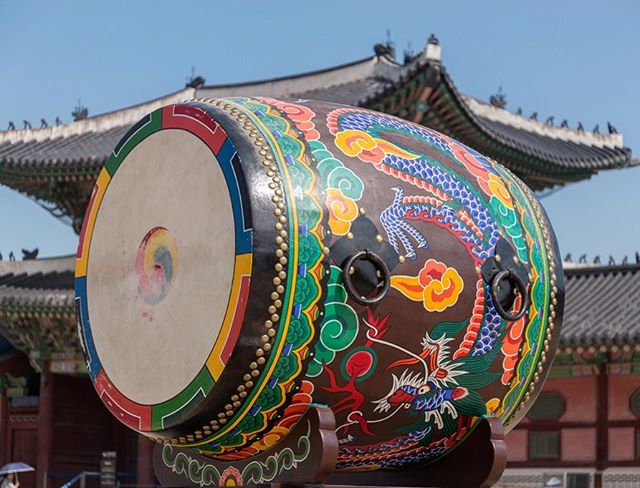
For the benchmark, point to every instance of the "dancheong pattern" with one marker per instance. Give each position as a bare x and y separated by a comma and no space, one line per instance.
277,387
448,379
407,378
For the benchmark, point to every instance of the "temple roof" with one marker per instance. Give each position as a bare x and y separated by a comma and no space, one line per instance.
602,304
58,165
602,311
37,311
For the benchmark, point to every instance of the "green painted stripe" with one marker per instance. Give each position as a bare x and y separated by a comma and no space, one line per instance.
143,129
174,410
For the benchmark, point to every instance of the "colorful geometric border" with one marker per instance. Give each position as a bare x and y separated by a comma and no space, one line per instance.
160,416
251,428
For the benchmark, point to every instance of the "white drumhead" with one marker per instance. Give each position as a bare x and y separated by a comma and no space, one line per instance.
160,266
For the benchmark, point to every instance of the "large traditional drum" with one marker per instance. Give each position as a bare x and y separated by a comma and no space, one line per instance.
242,258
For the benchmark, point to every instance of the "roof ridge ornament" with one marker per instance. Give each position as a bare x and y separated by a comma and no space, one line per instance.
409,55
433,52
28,255
80,112
499,99
385,48
193,80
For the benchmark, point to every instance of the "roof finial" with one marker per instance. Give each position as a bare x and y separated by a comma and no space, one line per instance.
499,99
434,50
386,48
80,112
29,255
409,55
195,81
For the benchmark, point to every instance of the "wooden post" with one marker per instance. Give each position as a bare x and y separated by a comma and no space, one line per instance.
144,474
4,427
45,424
602,432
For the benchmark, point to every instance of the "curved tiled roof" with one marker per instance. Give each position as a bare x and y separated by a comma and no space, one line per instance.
37,309
602,304
59,164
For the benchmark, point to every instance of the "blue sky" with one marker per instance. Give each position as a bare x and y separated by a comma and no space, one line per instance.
573,59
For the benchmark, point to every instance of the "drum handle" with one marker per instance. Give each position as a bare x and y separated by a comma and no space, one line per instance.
381,267
506,274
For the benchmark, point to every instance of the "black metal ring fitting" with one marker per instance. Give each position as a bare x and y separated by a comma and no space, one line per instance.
379,264
507,275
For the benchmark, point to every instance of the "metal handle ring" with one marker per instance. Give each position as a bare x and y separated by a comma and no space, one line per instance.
380,265
505,274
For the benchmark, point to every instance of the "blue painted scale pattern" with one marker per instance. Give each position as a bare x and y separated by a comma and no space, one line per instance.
428,171
394,220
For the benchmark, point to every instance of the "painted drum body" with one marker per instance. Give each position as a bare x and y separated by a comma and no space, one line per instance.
217,295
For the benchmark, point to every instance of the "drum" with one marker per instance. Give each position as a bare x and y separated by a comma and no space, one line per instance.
242,258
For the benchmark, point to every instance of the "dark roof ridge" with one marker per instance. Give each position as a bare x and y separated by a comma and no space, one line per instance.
575,270
290,77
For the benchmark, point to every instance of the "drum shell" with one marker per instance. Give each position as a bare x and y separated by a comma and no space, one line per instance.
313,190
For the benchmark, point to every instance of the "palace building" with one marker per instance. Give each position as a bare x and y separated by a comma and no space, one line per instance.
588,417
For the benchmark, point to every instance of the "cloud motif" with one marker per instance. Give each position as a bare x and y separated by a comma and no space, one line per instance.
437,286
